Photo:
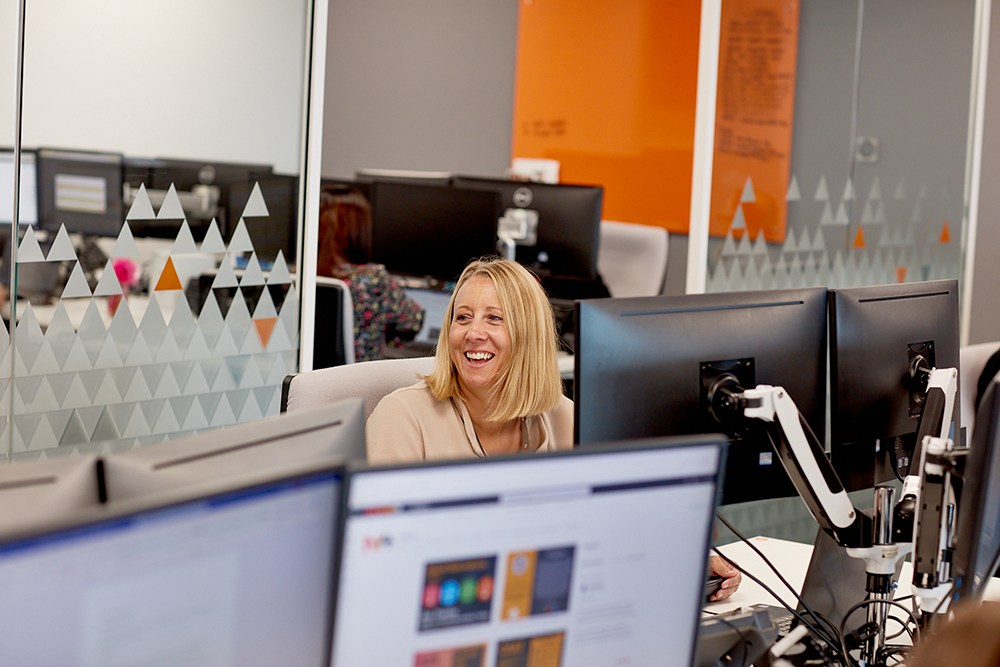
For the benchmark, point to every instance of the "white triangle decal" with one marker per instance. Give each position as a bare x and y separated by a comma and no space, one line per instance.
62,249
29,250
171,209
255,208
213,239
241,239
141,209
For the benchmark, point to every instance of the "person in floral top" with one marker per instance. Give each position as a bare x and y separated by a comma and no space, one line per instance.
383,314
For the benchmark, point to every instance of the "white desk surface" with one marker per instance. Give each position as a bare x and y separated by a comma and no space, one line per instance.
792,560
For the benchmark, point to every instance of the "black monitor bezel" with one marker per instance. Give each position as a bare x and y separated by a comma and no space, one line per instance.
872,330
52,161
571,242
427,231
617,376
980,492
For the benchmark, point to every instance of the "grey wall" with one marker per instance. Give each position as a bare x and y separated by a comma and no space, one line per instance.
984,325
419,84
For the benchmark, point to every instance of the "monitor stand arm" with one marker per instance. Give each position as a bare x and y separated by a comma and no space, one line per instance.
819,486
808,467
925,514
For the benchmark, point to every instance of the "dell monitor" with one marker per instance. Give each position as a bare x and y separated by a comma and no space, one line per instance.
556,226
275,443
577,557
883,339
646,367
977,543
429,231
27,189
225,575
81,190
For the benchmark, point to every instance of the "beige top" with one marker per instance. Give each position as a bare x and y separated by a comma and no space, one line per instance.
411,425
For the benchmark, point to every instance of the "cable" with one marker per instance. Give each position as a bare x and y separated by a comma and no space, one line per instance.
865,603
832,636
821,635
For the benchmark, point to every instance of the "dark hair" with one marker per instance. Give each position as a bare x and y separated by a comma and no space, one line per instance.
345,231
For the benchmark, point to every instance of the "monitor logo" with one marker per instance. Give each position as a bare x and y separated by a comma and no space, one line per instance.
522,197
376,543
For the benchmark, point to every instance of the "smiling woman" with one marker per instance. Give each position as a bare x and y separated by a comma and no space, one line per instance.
495,387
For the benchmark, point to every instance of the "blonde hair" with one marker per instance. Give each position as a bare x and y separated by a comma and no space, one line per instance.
530,384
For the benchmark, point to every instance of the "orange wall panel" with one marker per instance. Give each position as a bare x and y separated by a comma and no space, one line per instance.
608,89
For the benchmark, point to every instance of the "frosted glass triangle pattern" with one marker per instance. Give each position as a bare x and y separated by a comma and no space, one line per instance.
154,368
868,229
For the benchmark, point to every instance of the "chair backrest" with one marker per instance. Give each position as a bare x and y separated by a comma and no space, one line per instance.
632,259
334,319
972,360
370,380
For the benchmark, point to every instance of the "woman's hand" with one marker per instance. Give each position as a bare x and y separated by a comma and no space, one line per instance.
719,567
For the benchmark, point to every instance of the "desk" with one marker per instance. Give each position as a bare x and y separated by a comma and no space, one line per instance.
792,560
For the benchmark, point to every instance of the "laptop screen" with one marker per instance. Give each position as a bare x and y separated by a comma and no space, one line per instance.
239,578
579,558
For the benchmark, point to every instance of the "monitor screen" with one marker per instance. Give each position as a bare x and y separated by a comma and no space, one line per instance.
977,543
27,189
291,439
644,367
428,231
877,334
561,224
82,190
241,576
575,558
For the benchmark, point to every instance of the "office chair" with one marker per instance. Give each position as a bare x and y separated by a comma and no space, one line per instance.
972,360
632,259
370,380
334,318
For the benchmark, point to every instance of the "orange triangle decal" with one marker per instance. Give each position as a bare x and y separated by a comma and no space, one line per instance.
945,233
900,274
264,328
859,238
168,279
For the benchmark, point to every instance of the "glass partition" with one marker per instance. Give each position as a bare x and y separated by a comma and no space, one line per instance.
847,164
154,292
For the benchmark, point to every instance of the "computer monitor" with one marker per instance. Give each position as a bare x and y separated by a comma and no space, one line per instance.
82,190
977,541
428,231
878,335
227,575
645,367
578,557
440,179
39,491
558,224
275,443
27,188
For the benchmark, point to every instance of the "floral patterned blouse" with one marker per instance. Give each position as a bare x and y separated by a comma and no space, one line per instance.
381,308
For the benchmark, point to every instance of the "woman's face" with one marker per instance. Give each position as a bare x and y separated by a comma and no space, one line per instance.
478,342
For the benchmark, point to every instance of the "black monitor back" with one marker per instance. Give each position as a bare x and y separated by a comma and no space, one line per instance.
82,190
278,231
642,364
569,223
424,230
875,335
